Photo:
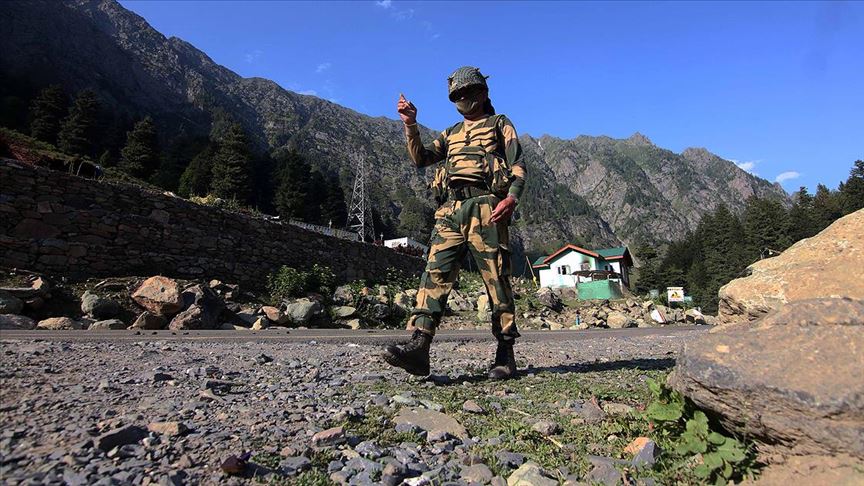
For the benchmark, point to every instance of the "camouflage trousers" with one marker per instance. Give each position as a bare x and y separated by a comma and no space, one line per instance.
462,226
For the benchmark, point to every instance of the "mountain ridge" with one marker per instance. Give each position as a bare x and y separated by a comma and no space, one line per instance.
607,191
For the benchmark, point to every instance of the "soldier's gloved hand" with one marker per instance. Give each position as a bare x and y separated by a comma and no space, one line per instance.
407,111
504,209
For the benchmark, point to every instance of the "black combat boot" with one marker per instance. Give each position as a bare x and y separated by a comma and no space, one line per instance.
505,361
412,356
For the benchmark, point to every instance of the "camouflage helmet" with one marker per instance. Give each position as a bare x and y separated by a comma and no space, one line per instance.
464,77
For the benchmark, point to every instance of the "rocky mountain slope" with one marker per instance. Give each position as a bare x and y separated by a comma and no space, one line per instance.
591,190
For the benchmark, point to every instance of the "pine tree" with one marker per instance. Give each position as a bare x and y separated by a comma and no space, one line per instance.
232,166
181,150
140,157
293,189
800,219
765,226
648,277
415,220
852,191
334,209
79,128
196,178
46,113
826,208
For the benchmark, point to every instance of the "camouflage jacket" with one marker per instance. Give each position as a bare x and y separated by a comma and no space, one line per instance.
464,146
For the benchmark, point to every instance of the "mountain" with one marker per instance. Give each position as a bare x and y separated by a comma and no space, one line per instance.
596,191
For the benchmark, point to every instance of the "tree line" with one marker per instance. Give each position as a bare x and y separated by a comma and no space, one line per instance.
223,164
724,244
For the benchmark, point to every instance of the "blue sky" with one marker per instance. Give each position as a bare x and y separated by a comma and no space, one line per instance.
776,87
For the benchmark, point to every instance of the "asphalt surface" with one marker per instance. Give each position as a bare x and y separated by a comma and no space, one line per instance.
337,335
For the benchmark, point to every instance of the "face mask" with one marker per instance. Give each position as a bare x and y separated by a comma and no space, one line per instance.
467,106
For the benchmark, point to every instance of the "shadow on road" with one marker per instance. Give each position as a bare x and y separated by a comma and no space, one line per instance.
632,364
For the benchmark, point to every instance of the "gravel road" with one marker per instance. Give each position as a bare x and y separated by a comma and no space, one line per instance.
83,408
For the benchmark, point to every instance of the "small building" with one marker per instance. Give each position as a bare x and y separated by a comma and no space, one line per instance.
571,265
406,242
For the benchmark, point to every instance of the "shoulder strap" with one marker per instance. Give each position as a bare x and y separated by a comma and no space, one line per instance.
453,129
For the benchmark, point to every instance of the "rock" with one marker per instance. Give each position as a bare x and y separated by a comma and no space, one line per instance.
472,407
636,445
9,304
98,307
59,324
354,324
546,427
478,473
380,311
12,322
431,421
549,299
587,411
619,320
108,324
149,320
403,302
168,428
343,312
693,316
301,311
260,323
817,267
458,302
604,471
274,314
130,434
343,295
159,295
291,466
510,460
530,474
613,408
329,437
191,318
791,381
647,454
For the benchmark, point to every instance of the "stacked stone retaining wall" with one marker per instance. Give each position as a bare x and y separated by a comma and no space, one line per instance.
65,225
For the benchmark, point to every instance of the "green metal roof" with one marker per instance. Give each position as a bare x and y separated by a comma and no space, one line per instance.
612,252
539,261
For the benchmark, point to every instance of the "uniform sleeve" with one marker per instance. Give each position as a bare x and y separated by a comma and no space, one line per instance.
513,153
424,155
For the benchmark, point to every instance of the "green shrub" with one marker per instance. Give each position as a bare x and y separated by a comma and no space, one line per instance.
687,434
290,282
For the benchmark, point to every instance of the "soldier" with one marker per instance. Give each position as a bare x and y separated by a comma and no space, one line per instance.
478,185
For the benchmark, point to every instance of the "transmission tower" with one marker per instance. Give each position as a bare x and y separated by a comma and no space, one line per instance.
360,214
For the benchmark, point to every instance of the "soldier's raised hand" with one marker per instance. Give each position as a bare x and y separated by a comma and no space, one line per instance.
407,111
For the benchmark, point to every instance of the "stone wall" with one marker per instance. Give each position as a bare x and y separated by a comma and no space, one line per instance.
60,224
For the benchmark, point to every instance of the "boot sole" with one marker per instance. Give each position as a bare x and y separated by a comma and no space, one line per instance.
394,360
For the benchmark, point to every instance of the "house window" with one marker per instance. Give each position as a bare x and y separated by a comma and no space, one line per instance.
586,266
564,270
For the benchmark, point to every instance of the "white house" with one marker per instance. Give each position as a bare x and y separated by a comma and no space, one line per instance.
572,264
405,242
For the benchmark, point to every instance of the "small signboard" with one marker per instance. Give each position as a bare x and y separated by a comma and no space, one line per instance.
675,294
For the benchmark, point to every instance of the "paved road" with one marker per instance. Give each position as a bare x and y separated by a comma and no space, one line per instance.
338,335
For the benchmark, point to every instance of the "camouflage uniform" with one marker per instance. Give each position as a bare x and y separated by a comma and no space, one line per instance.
472,151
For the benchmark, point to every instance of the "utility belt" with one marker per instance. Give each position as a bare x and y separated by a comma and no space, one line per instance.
467,192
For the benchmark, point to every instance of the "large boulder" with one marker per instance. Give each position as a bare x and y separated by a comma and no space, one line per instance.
9,304
148,320
159,295
12,322
817,267
548,298
99,307
202,311
302,311
60,324
792,381
619,320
